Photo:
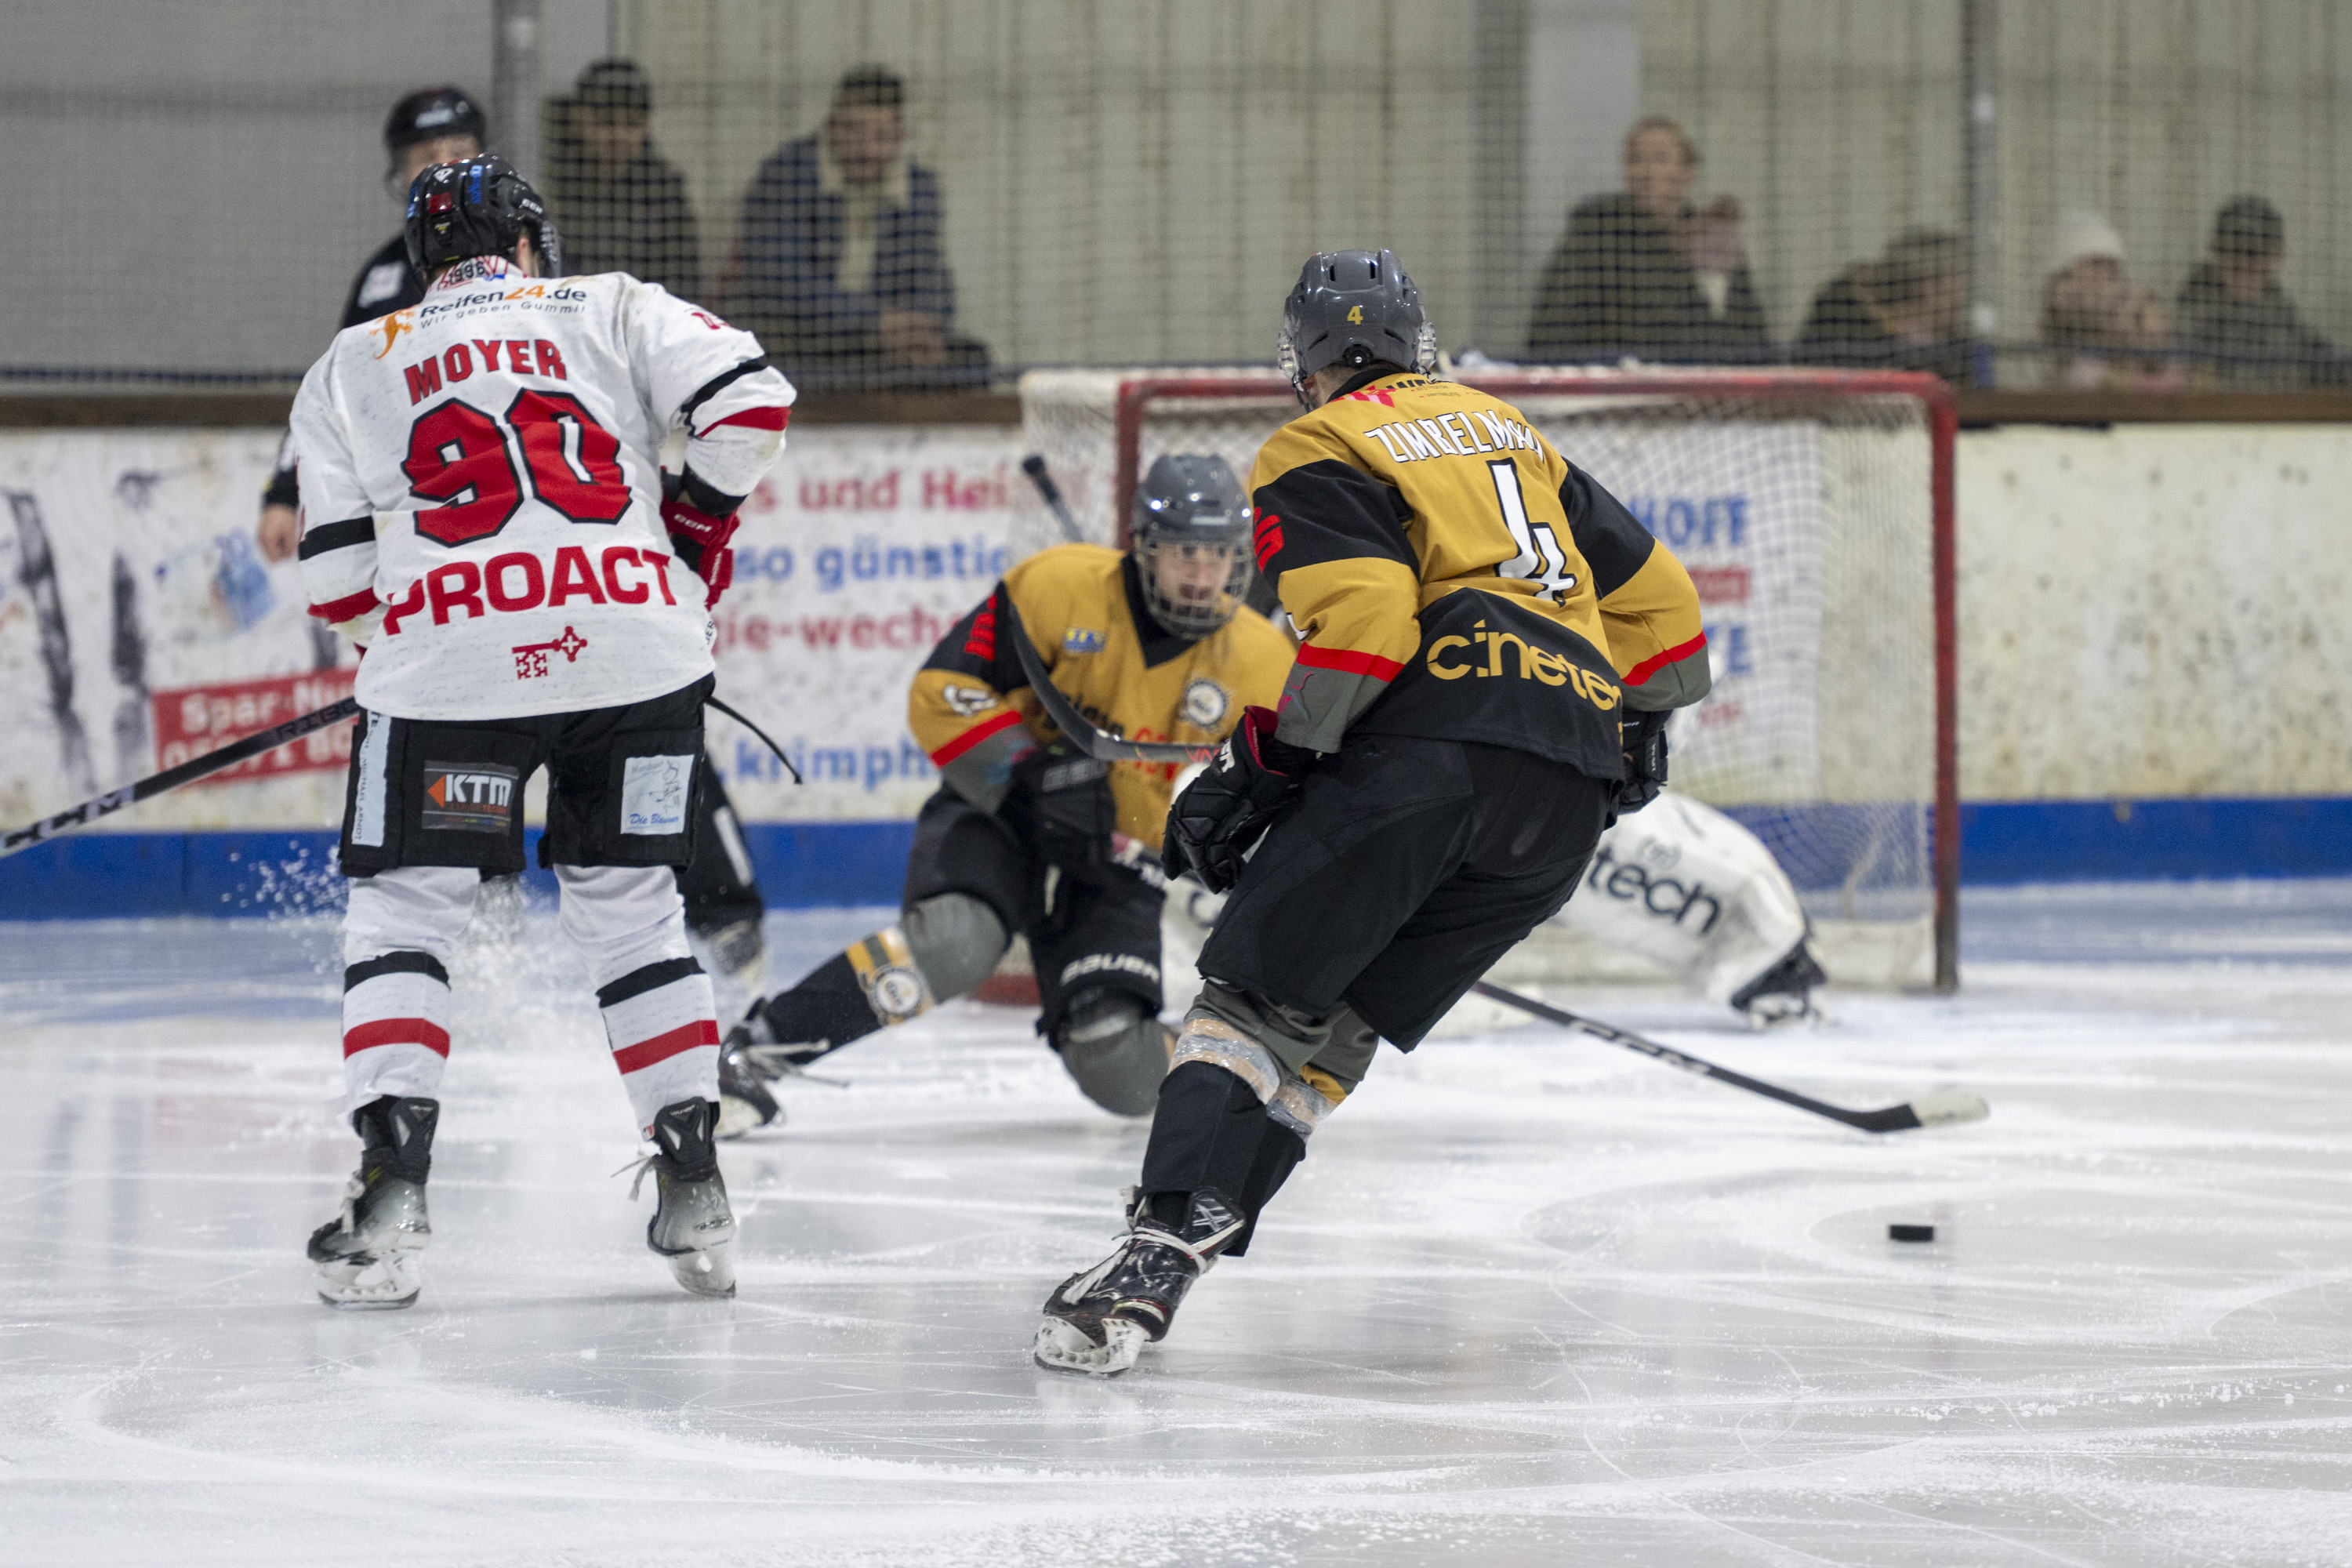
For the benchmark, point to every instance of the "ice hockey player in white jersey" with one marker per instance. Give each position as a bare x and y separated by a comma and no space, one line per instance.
484,511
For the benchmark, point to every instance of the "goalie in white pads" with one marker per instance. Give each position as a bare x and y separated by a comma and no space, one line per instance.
1693,892
484,511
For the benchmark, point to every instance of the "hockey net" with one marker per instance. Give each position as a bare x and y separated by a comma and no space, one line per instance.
1813,510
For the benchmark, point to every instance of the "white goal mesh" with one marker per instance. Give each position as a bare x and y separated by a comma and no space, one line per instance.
1806,506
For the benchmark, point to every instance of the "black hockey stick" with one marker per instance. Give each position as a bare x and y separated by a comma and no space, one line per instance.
194,768
1034,465
1937,1108
1082,732
714,702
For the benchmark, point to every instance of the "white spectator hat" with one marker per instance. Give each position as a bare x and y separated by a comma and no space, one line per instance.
2082,235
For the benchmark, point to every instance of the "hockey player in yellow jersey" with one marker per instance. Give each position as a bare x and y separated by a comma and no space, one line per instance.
1028,835
1490,645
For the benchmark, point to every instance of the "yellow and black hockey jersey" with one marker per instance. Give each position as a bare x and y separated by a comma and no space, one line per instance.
1454,577
972,708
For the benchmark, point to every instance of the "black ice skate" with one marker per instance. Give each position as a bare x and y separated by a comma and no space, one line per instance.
1098,1322
692,1225
744,1102
366,1257
1783,993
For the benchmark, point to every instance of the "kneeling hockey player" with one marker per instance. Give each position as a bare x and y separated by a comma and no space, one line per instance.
1027,834
1491,646
483,510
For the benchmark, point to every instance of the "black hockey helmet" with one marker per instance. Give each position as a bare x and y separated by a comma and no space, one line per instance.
430,113
477,207
1190,531
1351,308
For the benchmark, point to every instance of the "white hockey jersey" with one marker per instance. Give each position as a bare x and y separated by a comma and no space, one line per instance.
481,488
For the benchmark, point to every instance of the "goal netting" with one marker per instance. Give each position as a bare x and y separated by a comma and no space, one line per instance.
1812,510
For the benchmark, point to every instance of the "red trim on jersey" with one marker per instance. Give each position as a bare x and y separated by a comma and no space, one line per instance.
397,1032
974,737
1658,661
1347,661
769,417
344,608
661,1047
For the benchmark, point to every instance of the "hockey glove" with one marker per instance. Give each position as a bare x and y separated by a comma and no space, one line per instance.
1216,822
1644,736
1061,798
700,539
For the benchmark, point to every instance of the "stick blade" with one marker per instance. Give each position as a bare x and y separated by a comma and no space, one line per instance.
1949,1106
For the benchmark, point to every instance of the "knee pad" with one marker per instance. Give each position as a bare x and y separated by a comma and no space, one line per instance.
955,940
1298,1100
1115,1048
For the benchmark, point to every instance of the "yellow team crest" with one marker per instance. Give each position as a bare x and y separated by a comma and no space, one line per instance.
390,327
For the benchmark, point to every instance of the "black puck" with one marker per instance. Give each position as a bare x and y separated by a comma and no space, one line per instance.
1910,1233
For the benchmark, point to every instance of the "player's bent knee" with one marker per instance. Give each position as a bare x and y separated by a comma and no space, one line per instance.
1115,1048
956,940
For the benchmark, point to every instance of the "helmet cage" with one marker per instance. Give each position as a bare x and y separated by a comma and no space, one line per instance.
1190,512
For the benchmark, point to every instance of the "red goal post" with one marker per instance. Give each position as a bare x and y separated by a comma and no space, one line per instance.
1815,508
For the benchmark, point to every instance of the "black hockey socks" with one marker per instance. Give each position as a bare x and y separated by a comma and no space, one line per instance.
1207,1133
828,1007
1278,1153
396,1138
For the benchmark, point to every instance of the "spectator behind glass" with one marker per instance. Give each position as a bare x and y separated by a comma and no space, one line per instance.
619,205
841,270
1906,310
1643,272
2108,330
2234,316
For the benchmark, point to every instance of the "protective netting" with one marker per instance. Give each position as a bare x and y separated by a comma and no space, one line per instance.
1806,517
2115,193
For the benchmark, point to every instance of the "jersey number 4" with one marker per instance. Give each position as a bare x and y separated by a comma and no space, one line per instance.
466,461
1540,557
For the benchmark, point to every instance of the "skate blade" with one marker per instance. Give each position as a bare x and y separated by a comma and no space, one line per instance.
1064,1347
710,1272
384,1283
737,1117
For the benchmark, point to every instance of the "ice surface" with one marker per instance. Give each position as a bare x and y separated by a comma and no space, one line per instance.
1532,1300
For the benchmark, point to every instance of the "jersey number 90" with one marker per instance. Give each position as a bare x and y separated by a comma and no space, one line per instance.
465,460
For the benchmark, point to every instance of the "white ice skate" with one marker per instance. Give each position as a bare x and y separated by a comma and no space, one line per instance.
366,1257
693,1226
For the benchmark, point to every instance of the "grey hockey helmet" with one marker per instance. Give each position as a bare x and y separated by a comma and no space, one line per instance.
1190,531
1351,308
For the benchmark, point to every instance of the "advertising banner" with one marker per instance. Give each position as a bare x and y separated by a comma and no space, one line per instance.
139,625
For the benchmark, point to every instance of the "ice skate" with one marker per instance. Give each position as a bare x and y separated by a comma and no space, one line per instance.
1098,1321
745,1104
692,1225
1783,993
366,1257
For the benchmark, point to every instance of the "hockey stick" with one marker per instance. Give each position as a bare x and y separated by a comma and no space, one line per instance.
714,702
1034,465
1937,1108
194,768
1082,733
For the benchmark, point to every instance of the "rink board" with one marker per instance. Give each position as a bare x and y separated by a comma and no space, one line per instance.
805,865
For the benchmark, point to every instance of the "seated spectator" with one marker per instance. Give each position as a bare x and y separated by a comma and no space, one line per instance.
2108,330
2234,316
841,270
1906,310
1643,272
619,205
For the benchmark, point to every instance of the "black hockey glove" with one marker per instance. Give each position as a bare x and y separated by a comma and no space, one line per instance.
1216,822
1061,797
1644,736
